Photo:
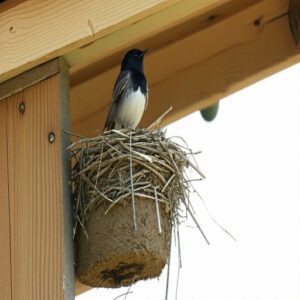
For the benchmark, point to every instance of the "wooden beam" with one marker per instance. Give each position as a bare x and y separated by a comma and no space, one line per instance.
200,68
158,30
42,265
227,72
29,78
150,26
34,31
5,273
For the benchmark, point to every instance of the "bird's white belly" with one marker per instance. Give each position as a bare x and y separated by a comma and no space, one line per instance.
131,110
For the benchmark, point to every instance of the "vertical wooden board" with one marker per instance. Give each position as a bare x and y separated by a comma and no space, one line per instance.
36,192
5,274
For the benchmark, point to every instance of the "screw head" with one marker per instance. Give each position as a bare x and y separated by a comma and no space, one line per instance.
22,107
51,137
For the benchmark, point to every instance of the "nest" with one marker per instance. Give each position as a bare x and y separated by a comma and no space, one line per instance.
120,164
133,171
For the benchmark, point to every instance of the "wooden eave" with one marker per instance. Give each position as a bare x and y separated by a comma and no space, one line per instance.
201,51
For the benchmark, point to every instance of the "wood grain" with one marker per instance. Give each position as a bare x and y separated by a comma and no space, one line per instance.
156,32
28,78
5,274
227,72
147,27
36,193
36,31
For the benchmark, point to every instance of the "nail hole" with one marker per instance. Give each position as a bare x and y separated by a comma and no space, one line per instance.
12,29
51,137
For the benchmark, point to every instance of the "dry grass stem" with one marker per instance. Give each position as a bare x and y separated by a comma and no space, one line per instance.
157,211
121,166
158,121
131,180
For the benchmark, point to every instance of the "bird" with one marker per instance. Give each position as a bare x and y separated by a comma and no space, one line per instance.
130,93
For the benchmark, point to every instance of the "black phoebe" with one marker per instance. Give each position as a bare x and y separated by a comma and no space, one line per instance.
130,94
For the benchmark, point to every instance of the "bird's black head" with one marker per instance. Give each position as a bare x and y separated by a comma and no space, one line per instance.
134,59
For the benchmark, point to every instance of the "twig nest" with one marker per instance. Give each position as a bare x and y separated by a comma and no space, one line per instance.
127,188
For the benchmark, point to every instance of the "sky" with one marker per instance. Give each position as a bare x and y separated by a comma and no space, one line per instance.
251,159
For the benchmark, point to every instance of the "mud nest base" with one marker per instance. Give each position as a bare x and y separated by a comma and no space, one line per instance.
115,254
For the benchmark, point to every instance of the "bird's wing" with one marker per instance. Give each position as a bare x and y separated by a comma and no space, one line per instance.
119,92
147,98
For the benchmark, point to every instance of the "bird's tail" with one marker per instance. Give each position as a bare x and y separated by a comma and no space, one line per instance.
109,126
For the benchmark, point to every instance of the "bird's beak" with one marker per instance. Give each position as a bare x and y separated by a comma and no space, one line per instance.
145,51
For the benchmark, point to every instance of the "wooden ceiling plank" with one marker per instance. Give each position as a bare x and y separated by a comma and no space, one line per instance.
202,84
34,31
148,26
227,72
91,98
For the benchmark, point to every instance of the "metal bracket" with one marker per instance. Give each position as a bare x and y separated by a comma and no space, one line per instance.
294,19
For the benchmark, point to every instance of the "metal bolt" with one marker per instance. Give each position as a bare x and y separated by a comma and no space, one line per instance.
51,137
22,107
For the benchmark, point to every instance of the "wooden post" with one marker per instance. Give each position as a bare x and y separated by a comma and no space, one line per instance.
5,273
35,211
